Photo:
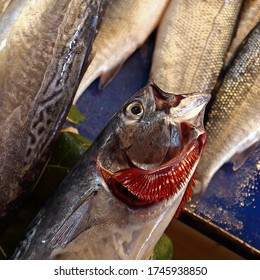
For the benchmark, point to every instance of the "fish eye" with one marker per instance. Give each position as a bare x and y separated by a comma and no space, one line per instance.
135,110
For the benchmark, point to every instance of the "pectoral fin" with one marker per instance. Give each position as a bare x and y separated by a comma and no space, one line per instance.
76,223
240,158
108,76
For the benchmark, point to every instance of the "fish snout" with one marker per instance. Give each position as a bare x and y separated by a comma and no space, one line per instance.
186,121
190,107
180,107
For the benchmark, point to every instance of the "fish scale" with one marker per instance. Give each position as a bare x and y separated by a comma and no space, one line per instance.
250,15
233,120
191,44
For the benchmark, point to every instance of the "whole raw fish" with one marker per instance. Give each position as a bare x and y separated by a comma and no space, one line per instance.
191,44
3,5
125,27
119,199
43,45
250,15
233,121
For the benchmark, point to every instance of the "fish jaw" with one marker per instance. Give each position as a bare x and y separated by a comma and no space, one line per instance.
141,187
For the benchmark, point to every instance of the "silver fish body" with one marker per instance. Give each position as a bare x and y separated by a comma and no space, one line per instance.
233,120
191,44
43,45
121,196
125,27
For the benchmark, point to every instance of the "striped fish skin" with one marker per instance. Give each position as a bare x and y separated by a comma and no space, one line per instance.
125,27
250,15
191,44
43,45
233,120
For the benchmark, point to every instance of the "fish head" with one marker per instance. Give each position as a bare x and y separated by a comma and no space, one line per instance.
154,145
142,164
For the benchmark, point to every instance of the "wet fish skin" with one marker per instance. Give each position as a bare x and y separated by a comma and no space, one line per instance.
97,223
43,46
191,44
125,27
233,119
250,15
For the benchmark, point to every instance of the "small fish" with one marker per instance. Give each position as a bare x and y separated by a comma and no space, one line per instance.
125,27
3,5
191,44
234,117
42,48
118,200
250,15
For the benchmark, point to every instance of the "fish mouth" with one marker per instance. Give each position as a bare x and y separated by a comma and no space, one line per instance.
139,187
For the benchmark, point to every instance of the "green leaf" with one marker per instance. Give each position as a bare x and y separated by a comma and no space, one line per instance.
163,249
69,148
75,116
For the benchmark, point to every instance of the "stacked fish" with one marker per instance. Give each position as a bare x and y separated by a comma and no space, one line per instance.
193,41
118,200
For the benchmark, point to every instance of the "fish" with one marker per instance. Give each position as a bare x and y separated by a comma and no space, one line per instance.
233,119
191,44
43,45
3,5
125,27
250,15
128,185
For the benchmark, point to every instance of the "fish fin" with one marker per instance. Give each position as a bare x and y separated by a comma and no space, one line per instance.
85,79
107,77
73,225
198,189
239,159
64,234
86,64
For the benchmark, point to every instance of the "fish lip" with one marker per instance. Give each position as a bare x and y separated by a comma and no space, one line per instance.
133,199
169,102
